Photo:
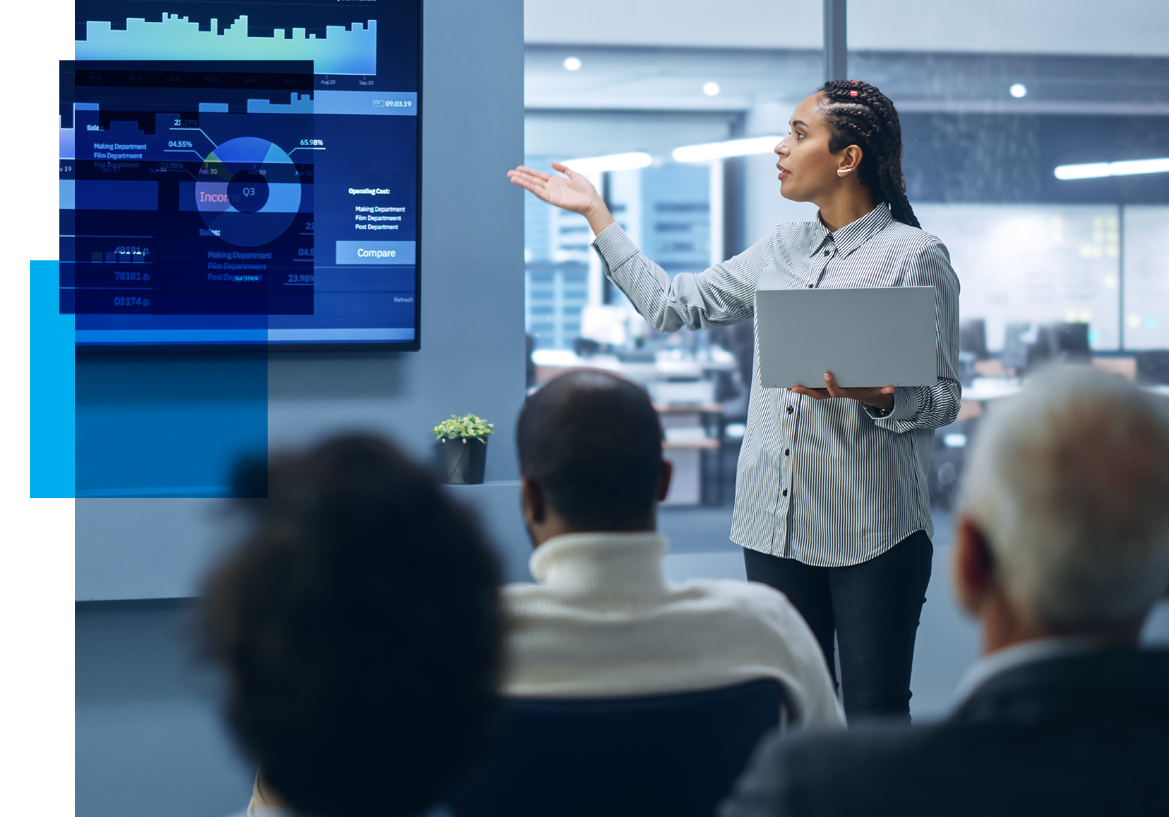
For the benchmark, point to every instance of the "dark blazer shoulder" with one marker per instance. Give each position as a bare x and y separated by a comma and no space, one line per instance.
1076,735
1124,678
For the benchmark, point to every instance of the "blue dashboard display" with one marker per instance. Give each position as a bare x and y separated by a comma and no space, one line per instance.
238,173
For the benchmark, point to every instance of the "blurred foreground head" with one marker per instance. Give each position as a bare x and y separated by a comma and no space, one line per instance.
1067,492
359,628
590,450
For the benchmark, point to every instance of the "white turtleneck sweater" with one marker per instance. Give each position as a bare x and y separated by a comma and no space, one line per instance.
603,621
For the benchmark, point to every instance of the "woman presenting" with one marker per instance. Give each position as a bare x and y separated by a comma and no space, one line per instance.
831,499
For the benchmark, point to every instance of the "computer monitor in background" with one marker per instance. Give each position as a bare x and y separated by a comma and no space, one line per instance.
1075,339
1060,343
1153,366
972,337
1068,341
1016,340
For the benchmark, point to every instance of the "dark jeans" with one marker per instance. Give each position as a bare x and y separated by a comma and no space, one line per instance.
872,608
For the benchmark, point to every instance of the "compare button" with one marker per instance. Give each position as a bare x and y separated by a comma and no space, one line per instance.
375,252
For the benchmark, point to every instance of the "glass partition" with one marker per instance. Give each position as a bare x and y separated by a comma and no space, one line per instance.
1036,147
1033,263
1146,277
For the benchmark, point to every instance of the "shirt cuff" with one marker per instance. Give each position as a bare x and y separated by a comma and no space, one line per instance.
905,406
614,246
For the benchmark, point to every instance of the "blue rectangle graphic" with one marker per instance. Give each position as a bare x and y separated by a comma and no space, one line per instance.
52,390
368,103
375,252
96,195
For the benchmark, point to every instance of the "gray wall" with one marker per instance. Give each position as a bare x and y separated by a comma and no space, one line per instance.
148,733
149,739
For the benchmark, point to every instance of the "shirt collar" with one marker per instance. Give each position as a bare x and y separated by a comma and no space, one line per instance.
602,563
990,666
851,236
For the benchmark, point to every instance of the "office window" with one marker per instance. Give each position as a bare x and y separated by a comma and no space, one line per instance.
1034,264
1146,277
1008,111
671,210
993,97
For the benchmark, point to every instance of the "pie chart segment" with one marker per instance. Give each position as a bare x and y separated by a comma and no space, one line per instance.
248,191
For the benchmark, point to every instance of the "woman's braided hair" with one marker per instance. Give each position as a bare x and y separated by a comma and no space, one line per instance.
859,114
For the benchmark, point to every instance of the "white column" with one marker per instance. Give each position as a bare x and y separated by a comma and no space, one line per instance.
596,275
625,189
717,218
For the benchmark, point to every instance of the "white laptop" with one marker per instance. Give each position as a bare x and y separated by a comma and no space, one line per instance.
882,336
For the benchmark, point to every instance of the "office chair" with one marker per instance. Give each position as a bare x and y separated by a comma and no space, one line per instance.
625,757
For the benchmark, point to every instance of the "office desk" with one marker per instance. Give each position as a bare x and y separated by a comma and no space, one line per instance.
984,390
689,445
550,365
683,391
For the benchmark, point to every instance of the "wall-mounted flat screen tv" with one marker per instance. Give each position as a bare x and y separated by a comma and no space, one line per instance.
242,173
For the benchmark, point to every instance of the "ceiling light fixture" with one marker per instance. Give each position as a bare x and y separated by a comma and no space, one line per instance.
1100,170
572,63
711,89
724,150
1018,90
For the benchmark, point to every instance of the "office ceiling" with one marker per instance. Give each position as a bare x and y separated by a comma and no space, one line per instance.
643,78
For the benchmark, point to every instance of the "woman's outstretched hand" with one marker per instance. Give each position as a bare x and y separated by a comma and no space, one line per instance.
574,193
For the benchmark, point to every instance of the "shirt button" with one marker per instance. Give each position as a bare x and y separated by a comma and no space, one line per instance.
827,253
810,286
790,409
785,491
787,452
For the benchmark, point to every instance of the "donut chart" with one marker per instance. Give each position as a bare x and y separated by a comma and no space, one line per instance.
248,191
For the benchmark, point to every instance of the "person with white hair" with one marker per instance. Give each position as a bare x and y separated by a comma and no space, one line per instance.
1061,550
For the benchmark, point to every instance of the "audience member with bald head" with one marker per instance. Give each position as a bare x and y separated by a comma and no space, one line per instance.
602,620
1061,551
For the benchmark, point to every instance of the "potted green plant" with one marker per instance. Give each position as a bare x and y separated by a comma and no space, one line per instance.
464,448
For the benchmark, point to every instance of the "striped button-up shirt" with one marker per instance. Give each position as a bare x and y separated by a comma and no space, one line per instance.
826,482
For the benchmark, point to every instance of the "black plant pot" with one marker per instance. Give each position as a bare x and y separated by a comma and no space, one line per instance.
464,461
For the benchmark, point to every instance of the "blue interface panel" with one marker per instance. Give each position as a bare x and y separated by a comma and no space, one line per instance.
241,173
